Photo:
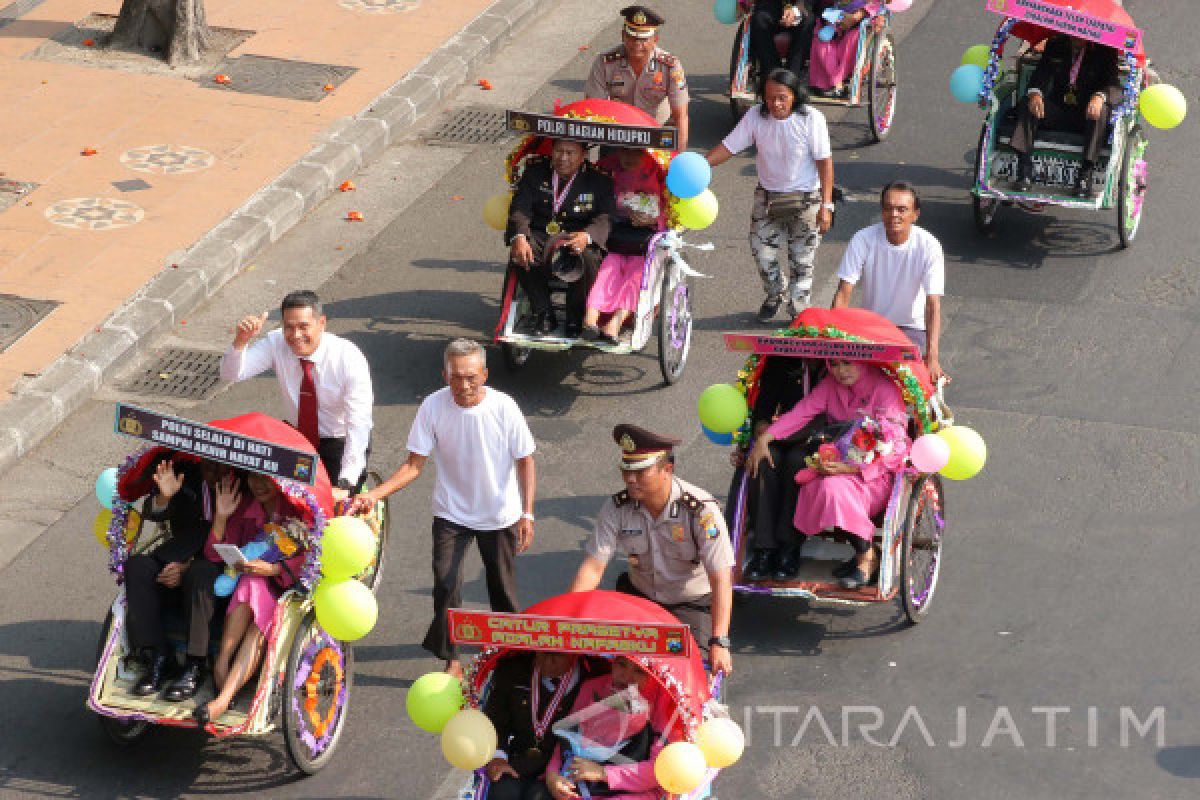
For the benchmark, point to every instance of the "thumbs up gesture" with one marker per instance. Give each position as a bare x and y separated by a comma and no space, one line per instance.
249,327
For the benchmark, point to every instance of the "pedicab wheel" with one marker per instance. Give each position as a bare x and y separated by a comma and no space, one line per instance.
122,733
881,92
921,556
674,327
1131,195
316,695
985,208
737,106
380,518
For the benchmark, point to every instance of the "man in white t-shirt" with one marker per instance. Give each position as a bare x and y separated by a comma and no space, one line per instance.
901,272
484,489
793,202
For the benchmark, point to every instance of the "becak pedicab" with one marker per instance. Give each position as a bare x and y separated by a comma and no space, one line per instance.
909,533
681,701
664,300
306,673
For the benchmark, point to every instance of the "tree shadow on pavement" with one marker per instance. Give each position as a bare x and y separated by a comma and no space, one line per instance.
1182,762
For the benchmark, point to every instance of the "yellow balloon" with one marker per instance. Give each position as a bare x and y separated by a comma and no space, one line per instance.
696,212
680,767
469,739
721,741
346,609
104,519
979,55
495,210
1163,105
968,453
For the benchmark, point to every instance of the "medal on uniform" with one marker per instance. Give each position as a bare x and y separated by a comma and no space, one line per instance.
1069,98
552,227
542,724
558,198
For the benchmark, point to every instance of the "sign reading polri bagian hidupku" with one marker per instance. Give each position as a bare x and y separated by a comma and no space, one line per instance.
602,133
214,444
563,635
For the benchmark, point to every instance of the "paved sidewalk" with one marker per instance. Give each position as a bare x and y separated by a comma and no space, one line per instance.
128,187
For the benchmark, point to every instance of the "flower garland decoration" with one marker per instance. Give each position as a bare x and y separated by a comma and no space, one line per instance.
1133,90
316,730
118,544
674,687
310,574
992,71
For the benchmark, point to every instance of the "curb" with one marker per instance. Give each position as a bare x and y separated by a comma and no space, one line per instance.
39,405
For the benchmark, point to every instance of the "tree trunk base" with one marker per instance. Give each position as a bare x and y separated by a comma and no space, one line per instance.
178,29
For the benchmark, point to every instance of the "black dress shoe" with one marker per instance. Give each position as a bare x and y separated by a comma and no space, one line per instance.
858,579
609,339
758,568
154,678
187,684
769,308
788,566
845,568
1024,185
200,714
572,330
545,323
1024,180
1085,186
590,333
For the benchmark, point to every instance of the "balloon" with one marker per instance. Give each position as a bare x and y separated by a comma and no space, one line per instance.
979,55
347,547
469,739
688,175
899,5
106,487
930,453
1163,105
225,583
718,438
722,408
346,609
680,767
696,212
826,34
721,741
725,11
495,210
968,453
104,519
432,700
966,83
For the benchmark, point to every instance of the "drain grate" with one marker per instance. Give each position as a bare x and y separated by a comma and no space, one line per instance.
177,372
18,315
473,126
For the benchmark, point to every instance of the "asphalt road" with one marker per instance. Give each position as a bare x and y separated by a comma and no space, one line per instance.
1062,607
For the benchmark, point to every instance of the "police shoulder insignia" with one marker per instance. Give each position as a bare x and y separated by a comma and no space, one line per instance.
691,502
667,59
621,497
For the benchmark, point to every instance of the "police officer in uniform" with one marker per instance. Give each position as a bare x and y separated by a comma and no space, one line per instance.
674,536
558,224
641,74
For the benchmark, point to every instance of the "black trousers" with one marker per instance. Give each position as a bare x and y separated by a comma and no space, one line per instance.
331,449
510,788
775,491
147,599
764,26
1062,118
498,549
536,279
696,614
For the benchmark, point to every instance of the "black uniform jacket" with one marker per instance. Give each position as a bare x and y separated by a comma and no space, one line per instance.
508,707
184,515
1097,73
589,206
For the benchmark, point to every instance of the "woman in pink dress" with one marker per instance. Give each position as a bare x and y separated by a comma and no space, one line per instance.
831,63
846,496
641,212
239,521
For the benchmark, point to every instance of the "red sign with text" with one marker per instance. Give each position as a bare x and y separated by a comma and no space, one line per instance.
584,636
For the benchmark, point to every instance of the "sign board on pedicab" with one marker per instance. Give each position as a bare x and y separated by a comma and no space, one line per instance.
214,444
565,635
1070,21
819,348
610,134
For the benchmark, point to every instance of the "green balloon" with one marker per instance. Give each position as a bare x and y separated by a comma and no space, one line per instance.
346,609
722,408
1163,105
696,213
968,453
432,700
347,548
979,55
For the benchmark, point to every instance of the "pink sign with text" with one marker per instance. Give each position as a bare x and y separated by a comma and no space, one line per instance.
1070,21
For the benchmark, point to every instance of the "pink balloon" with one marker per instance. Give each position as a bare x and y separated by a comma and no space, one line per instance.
899,5
930,453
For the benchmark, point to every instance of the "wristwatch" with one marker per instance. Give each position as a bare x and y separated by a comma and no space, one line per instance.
719,641
527,515
830,207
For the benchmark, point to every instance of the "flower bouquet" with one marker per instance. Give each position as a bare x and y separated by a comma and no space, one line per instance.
865,442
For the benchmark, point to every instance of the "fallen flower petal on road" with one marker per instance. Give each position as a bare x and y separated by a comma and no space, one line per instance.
354,216
347,186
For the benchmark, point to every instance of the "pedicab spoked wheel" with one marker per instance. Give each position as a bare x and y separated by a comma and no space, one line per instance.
921,554
121,732
316,695
985,208
737,106
1131,190
379,518
674,326
881,92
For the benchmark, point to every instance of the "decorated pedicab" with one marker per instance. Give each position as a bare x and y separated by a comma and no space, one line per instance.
910,532
1121,170
872,84
696,736
306,674
664,304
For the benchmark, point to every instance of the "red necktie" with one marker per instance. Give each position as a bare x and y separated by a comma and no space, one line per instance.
306,412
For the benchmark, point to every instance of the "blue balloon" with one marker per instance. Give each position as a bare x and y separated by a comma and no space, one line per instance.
688,175
826,34
718,438
106,487
224,585
725,11
966,83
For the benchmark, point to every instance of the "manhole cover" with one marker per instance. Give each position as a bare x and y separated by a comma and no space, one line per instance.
278,77
473,126
12,191
176,372
18,315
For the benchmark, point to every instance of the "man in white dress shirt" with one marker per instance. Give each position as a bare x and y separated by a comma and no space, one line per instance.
324,380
